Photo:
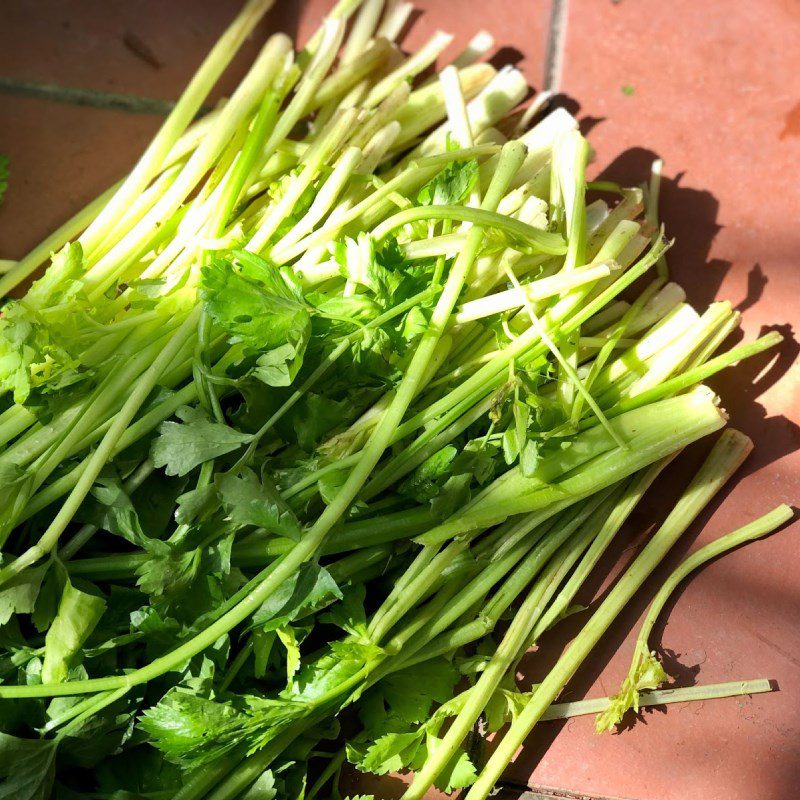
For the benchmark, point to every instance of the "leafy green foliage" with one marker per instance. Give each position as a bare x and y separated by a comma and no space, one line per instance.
191,730
401,726
447,478
182,446
112,510
250,501
452,185
27,767
18,596
99,735
190,572
257,307
304,592
263,789
645,674
410,694
349,614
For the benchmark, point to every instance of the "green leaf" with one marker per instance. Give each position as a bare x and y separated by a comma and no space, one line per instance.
46,607
141,771
289,640
425,482
391,752
111,509
410,693
349,614
182,446
451,186
27,767
314,416
478,459
279,366
249,501
454,494
181,724
100,734
254,305
343,661
646,673
308,589
78,614
529,457
459,772
43,336
505,704
18,595
263,788
196,504
188,571
262,649
169,571
361,265
191,730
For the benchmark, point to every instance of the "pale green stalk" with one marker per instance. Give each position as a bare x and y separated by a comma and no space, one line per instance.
426,105
413,65
697,374
410,180
326,197
350,73
542,241
514,639
715,342
611,520
317,156
99,458
566,366
726,456
538,289
177,121
651,437
247,94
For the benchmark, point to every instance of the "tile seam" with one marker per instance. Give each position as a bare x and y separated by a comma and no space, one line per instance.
92,98
556,40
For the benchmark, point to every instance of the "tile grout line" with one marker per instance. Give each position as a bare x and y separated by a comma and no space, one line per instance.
92,98
556,39
551,793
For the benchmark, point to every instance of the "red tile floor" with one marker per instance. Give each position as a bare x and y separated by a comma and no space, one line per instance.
712,87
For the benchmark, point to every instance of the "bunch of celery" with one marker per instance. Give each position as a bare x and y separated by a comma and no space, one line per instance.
342,377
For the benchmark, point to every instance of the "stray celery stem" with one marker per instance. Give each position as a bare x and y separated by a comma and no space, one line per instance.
660,697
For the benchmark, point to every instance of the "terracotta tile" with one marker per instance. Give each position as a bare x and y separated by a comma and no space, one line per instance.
83,43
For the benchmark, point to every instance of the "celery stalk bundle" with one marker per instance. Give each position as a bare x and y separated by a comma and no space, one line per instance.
339,378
